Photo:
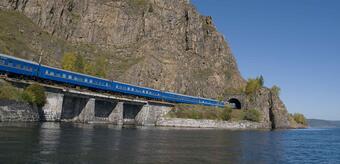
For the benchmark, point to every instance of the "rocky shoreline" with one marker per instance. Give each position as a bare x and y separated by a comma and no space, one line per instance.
13,111
203,123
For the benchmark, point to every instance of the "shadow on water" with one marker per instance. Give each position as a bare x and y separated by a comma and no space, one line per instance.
89,143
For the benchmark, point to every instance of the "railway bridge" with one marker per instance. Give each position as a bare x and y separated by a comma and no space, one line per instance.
83,105
76,105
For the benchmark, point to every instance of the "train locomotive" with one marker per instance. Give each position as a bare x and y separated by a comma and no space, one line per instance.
17,66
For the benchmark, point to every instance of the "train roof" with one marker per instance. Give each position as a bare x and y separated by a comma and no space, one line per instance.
15,58
99,78
189,96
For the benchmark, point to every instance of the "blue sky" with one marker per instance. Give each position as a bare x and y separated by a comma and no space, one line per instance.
294,44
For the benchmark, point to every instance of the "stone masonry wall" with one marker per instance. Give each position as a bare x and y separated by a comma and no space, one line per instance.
12,111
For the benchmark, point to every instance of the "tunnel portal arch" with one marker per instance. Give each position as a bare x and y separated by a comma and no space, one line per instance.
235,103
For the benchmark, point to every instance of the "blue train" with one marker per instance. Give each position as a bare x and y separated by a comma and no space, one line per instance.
13,65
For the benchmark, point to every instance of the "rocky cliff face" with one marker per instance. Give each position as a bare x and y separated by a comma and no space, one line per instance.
164,44
274,112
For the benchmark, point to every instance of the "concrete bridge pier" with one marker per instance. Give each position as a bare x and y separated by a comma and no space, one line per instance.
116,116
142,118
87,114
53,107
150,113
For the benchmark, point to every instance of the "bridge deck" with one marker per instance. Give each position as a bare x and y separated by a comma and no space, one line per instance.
87,93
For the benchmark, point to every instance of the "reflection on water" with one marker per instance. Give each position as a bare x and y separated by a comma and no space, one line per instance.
84,143
49,138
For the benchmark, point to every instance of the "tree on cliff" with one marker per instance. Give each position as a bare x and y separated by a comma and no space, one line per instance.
254,84
73,62
97,68
35,94
76,63
276,90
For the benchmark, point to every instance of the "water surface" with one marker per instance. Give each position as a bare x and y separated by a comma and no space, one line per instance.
79,143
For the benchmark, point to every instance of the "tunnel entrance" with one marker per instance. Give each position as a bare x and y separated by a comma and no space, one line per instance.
236,104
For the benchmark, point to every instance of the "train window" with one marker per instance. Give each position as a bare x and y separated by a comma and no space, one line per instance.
29,68
10,64
70,76
85,80
46,72
2,62
64,75
58,74
52,73
75,78
90,81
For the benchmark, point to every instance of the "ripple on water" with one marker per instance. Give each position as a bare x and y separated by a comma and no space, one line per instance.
56,143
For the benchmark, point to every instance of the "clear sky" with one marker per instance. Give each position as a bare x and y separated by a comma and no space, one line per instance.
294,44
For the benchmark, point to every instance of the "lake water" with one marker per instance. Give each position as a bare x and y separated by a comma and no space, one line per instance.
78,143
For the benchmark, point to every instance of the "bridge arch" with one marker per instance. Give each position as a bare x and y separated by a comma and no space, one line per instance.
236,103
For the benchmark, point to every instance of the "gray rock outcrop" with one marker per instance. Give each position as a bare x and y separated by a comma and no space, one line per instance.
274,113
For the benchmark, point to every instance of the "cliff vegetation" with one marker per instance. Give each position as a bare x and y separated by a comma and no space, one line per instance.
213,113
33,94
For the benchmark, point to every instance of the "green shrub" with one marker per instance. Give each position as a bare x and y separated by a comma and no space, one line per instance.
226,113
252,115
253,85
76,63
237,115
70,62
300,119
200,112
35,94
8,92
276,90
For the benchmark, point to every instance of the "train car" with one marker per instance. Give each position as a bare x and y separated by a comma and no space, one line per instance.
18,66
69,77
9,64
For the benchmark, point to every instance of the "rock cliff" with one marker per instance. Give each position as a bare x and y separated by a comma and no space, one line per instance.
164,44
274,112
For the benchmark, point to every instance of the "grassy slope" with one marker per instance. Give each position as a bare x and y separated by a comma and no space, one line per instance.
21,37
